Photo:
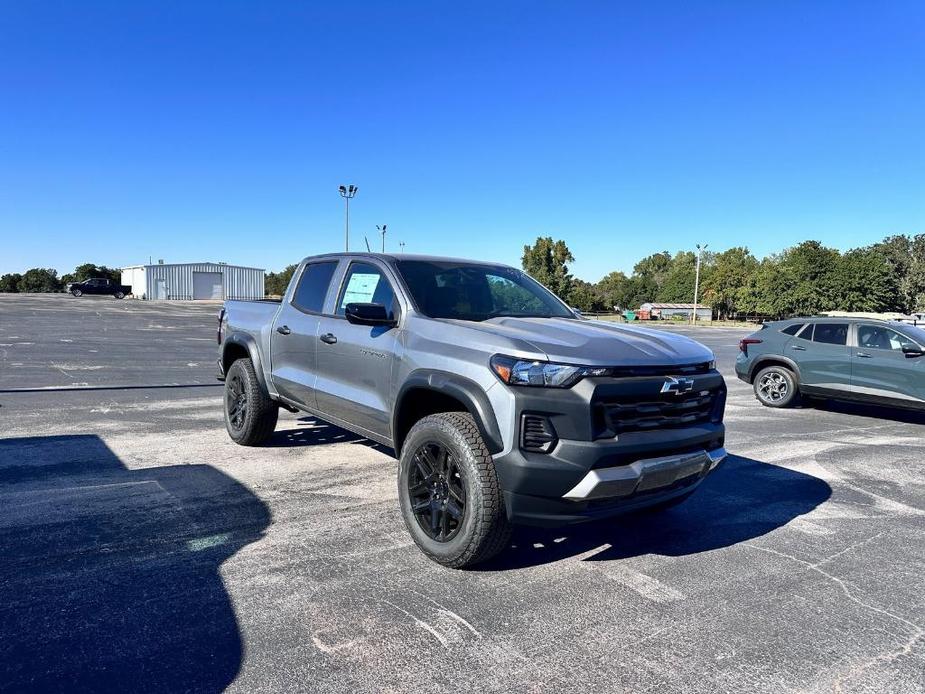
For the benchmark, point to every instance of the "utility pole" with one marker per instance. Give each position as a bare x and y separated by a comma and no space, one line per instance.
382,231
697,280
347,193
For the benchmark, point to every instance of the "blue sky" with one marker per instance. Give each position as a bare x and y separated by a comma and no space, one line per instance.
221,130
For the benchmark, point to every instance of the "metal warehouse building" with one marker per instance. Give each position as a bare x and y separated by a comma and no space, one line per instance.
666,311
194,281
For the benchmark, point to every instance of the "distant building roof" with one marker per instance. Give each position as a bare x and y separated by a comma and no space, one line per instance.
689,307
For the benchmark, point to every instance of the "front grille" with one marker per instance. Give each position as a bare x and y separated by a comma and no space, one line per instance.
618,416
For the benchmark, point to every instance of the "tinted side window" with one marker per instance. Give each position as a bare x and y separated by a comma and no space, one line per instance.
313,286
807,332
831,333
876,337
365,284
793,329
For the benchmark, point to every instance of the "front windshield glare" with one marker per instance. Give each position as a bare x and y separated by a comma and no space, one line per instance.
443,289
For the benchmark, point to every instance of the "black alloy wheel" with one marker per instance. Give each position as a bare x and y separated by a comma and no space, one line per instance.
437,491
236,401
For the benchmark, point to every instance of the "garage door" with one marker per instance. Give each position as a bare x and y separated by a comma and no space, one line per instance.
207,285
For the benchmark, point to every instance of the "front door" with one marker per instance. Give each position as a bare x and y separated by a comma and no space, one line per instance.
880,369
355,361
294,339
822,353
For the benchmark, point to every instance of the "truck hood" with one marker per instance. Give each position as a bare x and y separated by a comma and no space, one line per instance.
593,342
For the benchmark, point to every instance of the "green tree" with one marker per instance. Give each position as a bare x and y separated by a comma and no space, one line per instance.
912,284
810,274
897,252
865,282
547,262
728,277
40,280
583,296
615,291
678,283
275,283
10,282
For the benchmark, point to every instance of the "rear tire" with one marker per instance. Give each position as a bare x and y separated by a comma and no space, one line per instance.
449,493
250,414
776,386
120,295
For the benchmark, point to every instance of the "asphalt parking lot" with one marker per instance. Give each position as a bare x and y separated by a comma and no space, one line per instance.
141,549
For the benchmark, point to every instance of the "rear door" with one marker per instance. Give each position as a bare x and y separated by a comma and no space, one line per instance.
355,361
294,339
880,369
822,353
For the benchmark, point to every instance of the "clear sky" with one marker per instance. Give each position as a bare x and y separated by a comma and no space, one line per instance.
195,131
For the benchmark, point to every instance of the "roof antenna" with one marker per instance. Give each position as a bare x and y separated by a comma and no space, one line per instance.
367,244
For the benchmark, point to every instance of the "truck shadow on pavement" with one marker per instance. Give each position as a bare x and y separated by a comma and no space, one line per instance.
741,500
110,577
316,432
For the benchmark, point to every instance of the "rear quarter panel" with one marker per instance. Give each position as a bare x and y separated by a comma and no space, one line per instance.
251,323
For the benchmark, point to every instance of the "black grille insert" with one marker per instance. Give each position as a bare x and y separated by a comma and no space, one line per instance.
616,416
537,433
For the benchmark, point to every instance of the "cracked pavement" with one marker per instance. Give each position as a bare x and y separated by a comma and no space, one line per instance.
141,548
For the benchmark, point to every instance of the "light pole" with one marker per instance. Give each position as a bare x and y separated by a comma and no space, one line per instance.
697,280
402,245
347,192
382,231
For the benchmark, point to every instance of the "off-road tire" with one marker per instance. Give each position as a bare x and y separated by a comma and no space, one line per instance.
787,392
484,530
259,419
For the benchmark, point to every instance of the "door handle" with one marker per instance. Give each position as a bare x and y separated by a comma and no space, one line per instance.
328,338
865,355
283,329
797,348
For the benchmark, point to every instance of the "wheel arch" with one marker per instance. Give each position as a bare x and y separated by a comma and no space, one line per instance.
774,360
428,392
243,346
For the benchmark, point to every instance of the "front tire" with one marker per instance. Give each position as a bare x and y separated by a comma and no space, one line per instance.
76,292
449,493
250,414
776,386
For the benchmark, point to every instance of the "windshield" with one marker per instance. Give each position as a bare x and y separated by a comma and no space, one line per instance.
447,289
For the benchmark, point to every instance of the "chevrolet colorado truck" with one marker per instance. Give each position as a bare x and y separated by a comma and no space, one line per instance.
501,403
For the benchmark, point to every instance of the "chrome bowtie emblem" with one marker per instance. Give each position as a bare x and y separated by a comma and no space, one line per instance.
677,385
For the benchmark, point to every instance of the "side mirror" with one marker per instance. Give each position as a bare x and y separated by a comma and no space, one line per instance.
911,350
367,314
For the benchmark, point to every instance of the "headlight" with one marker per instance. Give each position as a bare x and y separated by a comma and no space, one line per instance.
521,372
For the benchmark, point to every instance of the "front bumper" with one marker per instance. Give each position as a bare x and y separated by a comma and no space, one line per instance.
592,472
644,475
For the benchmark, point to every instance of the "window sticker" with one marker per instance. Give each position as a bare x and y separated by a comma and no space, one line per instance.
360,288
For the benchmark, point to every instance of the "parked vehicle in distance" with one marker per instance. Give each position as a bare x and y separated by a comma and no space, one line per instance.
839,358
501,403
99,285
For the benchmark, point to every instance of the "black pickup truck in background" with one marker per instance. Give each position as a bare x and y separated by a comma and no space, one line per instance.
99,285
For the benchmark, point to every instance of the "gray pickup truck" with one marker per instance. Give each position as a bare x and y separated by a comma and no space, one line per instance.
500,402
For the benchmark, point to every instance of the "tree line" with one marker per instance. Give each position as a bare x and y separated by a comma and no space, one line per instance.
40,279
805,279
